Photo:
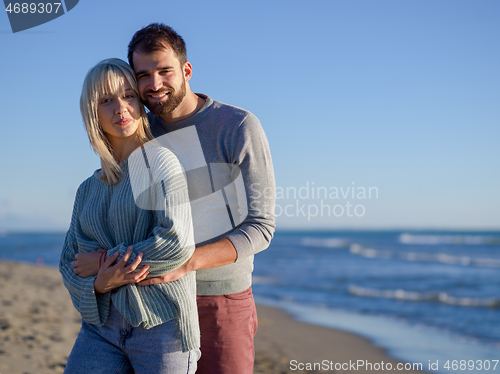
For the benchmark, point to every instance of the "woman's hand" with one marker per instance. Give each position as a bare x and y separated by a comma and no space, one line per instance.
111,276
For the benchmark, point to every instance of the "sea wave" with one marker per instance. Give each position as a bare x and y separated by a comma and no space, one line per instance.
418,239
325,242
441,297
443,258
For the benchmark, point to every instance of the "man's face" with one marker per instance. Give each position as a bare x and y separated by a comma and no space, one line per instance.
161,79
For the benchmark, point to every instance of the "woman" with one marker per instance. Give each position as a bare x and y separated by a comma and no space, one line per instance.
136,207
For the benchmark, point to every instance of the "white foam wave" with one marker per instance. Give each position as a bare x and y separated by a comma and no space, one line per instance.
369,252
441,297
425,257
325,242
386,294
406,238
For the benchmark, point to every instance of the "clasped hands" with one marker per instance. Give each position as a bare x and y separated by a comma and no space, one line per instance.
111,276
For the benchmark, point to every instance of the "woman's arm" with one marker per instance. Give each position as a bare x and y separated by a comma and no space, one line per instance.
163,251
171,241
158,185
92,306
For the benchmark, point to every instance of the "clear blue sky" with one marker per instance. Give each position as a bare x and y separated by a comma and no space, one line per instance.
403,96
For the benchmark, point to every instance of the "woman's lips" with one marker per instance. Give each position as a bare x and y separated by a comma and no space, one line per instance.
122,122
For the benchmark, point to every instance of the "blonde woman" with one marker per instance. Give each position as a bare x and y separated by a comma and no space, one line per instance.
136,208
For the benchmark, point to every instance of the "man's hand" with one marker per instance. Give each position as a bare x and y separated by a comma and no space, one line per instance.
113,276
87,263
169,277
209,256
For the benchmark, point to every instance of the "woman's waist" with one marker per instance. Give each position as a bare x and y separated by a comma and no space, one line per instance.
164,300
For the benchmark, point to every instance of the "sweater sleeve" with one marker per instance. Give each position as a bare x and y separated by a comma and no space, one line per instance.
92,307
171,242
251,156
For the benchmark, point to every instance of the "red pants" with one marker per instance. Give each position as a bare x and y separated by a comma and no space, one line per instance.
228,324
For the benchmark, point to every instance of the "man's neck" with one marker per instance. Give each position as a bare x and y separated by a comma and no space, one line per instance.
191,104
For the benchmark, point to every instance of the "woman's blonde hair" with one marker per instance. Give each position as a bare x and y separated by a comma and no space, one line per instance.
108,77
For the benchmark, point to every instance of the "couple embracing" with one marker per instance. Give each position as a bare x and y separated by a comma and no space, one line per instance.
160,248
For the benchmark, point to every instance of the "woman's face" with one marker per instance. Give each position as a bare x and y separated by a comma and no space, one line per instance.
120,113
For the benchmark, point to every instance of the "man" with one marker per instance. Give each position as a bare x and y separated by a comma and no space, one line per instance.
226,158
227,161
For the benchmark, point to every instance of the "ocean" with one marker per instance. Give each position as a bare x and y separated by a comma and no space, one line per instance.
424,296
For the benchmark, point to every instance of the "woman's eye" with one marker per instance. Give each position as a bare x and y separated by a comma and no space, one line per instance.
105,101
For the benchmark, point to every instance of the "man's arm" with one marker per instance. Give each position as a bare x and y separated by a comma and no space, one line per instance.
251,156
86,264
209,256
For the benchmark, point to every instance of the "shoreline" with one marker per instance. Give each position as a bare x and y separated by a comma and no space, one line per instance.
288,345
38,326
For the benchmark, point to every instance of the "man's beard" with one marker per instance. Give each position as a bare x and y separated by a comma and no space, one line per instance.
167,107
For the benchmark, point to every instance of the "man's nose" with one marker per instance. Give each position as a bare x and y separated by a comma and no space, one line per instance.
156,82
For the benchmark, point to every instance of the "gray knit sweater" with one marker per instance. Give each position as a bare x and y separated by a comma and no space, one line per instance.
225,154
149,209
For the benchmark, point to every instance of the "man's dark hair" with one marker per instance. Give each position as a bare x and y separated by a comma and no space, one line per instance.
157,37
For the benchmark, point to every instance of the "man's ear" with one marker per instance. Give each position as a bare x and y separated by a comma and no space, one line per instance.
187,70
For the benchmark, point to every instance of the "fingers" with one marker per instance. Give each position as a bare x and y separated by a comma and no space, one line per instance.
141,274
136,262
151,281
126,256
143,277
109,261
122,264
75,263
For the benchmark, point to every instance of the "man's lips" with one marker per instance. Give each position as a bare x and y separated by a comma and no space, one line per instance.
158,96
123,121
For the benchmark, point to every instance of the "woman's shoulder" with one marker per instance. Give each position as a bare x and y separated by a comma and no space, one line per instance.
158,152
88,184
156,157
90,181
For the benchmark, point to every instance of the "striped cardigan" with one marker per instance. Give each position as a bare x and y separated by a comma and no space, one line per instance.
148,209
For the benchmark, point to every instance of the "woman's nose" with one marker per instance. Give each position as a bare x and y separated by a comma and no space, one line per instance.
121,107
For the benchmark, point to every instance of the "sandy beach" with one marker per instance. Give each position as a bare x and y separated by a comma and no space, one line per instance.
38,326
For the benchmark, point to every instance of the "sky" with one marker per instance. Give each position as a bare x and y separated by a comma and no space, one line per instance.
388,110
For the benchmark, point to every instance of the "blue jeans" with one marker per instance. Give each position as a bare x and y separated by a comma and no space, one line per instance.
119,348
